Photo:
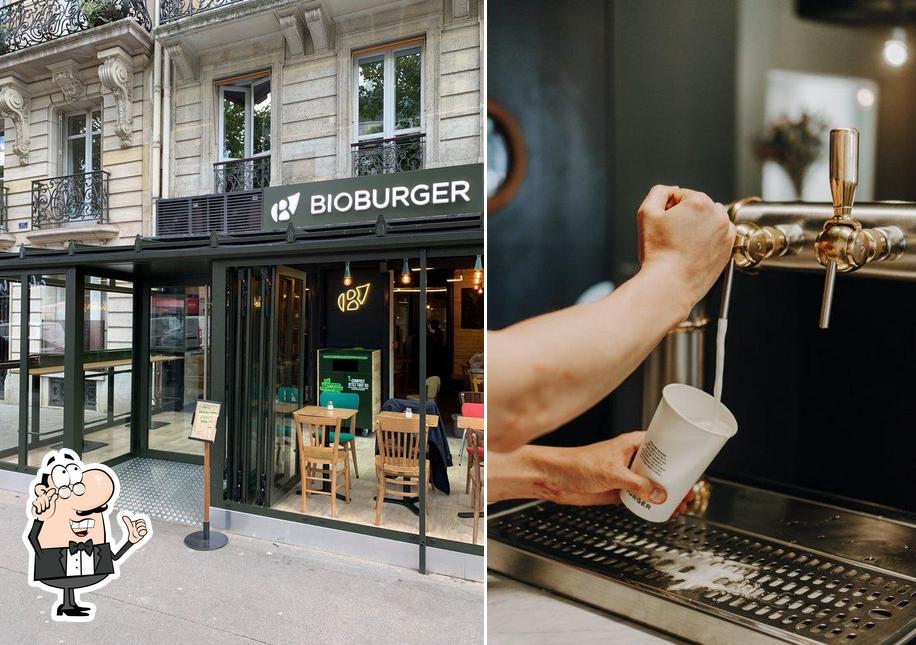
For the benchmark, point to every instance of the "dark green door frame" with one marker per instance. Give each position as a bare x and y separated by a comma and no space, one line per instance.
74,386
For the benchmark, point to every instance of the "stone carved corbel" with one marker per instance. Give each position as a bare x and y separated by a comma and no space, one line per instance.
15,103
321,29
187,63
117,75
293,30
66,76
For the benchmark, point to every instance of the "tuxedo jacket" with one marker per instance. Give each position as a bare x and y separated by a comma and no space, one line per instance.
52,563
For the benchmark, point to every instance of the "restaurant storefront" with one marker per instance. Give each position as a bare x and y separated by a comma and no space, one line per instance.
369,289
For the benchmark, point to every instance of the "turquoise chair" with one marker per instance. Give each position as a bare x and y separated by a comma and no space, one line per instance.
350,401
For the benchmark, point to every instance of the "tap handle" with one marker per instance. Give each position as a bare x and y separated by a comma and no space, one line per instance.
844,169
827,299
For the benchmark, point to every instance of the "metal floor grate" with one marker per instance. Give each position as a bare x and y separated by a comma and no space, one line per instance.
733,575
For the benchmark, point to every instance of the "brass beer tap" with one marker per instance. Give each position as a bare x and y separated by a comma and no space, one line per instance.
843,245
755,243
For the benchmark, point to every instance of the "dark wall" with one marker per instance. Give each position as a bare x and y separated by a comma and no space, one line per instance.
549,65
368,326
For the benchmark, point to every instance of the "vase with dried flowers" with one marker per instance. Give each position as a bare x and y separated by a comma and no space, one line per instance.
793,144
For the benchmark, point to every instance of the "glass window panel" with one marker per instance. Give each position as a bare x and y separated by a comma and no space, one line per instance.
407,89
371,95
76,155
76,125
10,327
233,124
108,341
96,121
46,342
96,152
179,357
261,116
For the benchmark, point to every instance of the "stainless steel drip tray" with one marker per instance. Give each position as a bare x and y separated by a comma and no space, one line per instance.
756,567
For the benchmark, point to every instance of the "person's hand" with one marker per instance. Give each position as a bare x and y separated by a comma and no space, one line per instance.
596,474
44,504
685,236
136,529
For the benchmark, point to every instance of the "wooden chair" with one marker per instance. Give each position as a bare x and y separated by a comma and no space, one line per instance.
398,458
475,463
318,449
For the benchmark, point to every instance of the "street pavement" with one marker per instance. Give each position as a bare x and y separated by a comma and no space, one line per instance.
251,591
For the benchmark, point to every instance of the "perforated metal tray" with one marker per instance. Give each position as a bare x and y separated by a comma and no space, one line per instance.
706,581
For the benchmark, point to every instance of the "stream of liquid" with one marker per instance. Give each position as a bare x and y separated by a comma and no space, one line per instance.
721,329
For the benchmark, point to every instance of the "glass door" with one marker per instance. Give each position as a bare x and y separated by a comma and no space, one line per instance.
179,351
266,328
83,157
289,366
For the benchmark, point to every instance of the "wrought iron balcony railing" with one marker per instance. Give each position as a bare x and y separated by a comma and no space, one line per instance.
383,156
241,174
4,196
82,197
172,10
32,22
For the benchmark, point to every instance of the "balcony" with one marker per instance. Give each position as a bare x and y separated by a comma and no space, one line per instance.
383,156
37,33
241,174
171,10
71,208
82,197
32,22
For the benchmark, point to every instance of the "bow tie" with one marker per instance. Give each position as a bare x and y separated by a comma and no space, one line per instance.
85,546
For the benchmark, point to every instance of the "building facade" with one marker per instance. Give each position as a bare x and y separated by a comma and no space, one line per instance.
154,161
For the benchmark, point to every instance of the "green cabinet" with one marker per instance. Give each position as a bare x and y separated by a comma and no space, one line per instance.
354,370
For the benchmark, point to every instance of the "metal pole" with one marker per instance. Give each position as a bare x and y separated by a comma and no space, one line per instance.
74,393
24,313
423,348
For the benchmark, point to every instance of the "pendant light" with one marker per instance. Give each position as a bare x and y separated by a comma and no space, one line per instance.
348,277
405,273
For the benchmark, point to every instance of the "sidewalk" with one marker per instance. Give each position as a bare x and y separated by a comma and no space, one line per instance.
252,591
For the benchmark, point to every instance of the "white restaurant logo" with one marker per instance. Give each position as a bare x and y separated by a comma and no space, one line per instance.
440,192
283,210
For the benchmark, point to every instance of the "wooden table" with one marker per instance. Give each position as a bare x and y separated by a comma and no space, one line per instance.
410,503
337,413
95,366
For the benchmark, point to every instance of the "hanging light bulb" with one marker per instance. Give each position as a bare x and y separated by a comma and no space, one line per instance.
895,49
478,269
348,278
405,273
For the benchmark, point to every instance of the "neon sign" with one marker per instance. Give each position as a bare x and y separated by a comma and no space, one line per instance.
353,299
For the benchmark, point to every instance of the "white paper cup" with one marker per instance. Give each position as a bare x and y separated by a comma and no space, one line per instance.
678,447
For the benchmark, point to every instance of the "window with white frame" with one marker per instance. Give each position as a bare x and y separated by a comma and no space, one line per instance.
244,133
389,91
388,108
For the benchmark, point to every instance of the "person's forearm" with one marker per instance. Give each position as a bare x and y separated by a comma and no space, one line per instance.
545,371
530,472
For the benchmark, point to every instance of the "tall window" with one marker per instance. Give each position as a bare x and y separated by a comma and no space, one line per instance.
388,109
244,134
79,195
83,142
389,91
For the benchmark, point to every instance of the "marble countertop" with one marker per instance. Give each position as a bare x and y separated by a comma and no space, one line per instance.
520,614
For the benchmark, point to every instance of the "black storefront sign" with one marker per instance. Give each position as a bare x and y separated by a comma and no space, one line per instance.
451,190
